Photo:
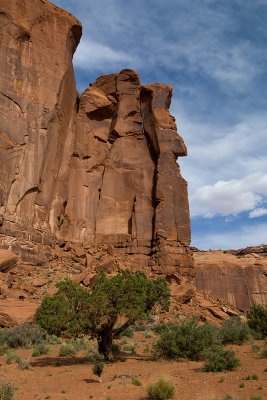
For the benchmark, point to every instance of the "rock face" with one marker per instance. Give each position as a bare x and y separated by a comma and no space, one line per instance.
99,168
237,276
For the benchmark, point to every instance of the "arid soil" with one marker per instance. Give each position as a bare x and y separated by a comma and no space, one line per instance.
71,378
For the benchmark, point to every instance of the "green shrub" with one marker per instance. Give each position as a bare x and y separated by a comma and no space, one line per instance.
254,377
67,349
136,382
184,339
42,348
3,349
35,353
80,344
23,363
257,319
256,348
25,335
7,391
128,332
161,390
219,360
255,398
52,339
99,365
235,331
12,356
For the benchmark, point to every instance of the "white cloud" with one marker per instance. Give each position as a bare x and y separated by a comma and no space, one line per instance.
230,197
248,235
93,55
258,212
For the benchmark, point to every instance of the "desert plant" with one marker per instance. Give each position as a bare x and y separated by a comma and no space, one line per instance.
161,390
23,363
256,348
66,349
136,382
25,335
42,348
12,356
257,319
52,339
98,366
128,332
218,359
3,349
235,331
74,310
184,339
7,391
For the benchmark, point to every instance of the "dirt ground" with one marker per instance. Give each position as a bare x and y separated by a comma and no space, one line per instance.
71,378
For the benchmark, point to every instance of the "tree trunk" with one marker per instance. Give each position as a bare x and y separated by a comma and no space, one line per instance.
105,345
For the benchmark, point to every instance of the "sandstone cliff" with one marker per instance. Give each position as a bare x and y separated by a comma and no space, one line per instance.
239,277
99,168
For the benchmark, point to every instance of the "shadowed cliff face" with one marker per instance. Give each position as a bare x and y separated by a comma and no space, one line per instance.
99,168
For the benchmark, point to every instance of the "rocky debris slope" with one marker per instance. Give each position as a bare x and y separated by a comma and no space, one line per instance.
95,168
239,277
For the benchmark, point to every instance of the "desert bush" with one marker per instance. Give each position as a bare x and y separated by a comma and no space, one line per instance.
80,343
256,348
12,356
161,390
219,359
42,348
257,319
3,349
184,339
7,391
23,363
235,331
98,367
52,339
136,382
66,350
25,335
128,332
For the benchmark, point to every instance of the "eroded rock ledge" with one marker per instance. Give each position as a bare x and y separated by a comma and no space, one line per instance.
100,168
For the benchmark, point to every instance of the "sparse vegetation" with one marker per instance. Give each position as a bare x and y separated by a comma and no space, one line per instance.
67,350
161,390
99,365
7,391
25,335
136,382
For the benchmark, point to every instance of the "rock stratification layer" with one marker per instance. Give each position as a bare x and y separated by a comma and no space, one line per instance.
99,168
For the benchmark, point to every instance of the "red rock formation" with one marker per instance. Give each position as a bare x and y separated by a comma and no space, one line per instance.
239,277
96,169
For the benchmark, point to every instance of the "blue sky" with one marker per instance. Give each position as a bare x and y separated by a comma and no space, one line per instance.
214,54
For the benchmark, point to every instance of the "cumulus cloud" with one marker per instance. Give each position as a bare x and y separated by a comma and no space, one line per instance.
230,197
258,212
93,55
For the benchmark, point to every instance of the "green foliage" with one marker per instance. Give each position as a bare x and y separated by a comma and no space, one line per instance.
25,335
52,339
255,398
35,353
67,349
219,359
74,310
256,348
7,391
184,339
23,363
161,390
3,349
128,332
257,319
136,382
42,349
235,331
12,356
99,365
254,377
